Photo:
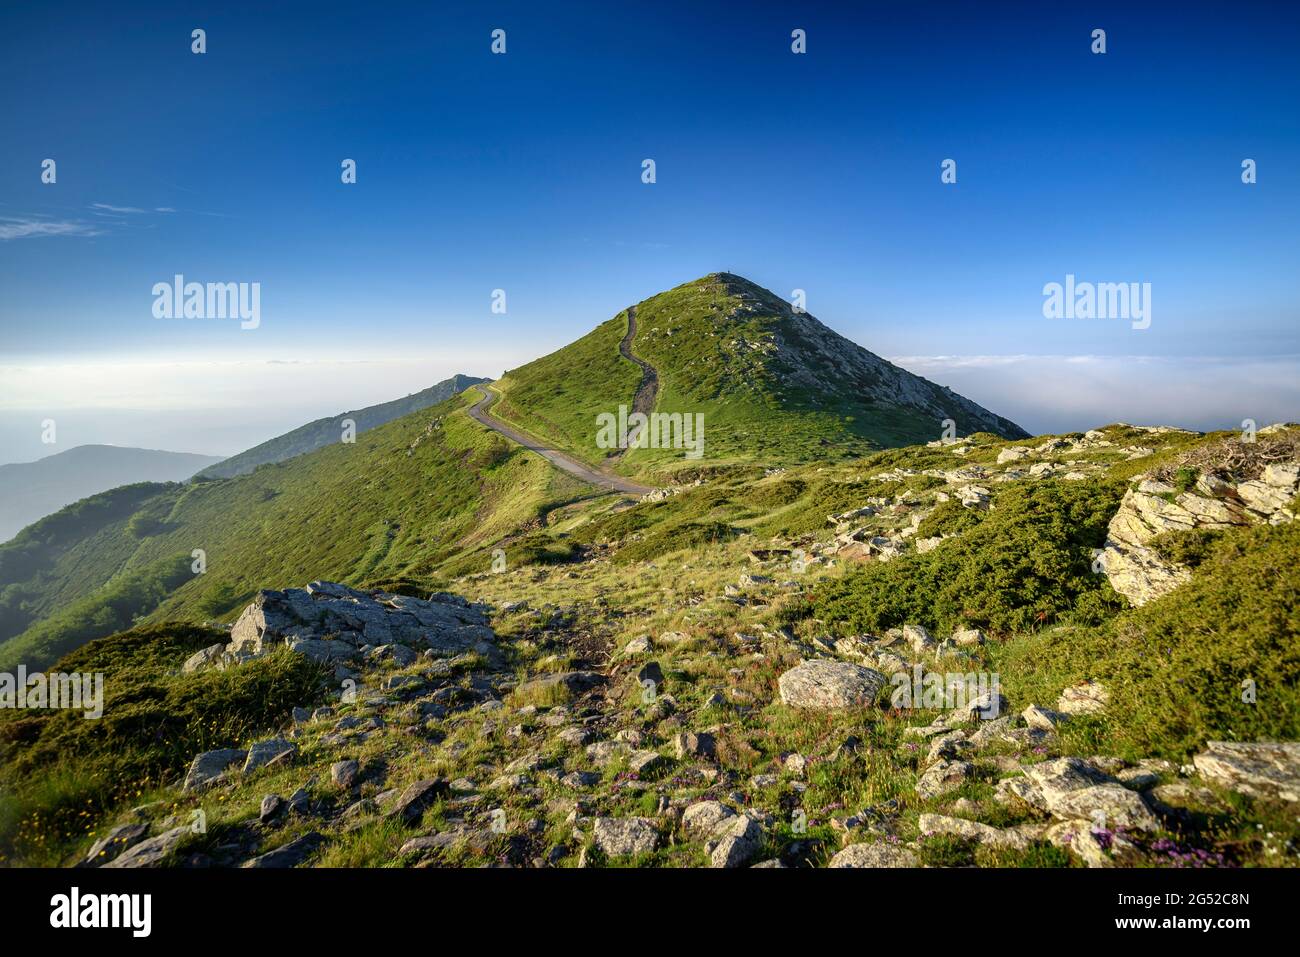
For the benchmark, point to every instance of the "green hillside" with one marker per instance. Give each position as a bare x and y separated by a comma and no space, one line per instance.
404,500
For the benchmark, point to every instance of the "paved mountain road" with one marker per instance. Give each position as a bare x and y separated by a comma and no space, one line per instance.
564,462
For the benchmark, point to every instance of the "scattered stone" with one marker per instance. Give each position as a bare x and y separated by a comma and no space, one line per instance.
1087,697
973,830
739,841
265,753
344,773
943,776
118,839
151,852
272,804
210,657
574,682
690,744
918,638
1045,719
645,762
703,817
1113,804
637,646
416,799
291,854
965,637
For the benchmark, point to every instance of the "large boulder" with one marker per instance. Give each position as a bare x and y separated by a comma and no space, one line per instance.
1153,507
824,685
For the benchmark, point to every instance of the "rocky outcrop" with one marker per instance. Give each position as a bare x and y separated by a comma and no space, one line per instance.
330,622
1264,770
1154,507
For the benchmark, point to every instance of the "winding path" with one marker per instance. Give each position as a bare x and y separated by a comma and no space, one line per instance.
646,391
561,460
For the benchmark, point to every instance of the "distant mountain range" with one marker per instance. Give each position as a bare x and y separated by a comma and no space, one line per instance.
32,490
314,435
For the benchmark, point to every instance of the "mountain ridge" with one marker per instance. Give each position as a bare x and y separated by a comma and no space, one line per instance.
319,432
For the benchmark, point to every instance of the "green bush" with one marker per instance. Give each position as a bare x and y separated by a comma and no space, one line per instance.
1027,563
1176,666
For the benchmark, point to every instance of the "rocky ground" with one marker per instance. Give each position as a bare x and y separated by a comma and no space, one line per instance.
575,716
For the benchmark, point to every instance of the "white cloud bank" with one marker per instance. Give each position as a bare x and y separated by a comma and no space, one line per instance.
1074,393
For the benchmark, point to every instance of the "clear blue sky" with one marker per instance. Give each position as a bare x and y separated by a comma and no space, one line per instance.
522,172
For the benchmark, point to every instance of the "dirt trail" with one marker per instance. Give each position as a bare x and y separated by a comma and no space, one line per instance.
560,460
646,392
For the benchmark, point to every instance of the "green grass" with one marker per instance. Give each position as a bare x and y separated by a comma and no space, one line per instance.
60,770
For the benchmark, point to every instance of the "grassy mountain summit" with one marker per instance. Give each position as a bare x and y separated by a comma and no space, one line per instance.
773,385
321,432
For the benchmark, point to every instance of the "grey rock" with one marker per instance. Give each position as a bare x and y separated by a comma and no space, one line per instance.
874,855
829,685
209,657
211,766
344,773
1087,697
943,776
691,744
291,854
118,839
271,805
271,751
739,842
151,852
703,817
1264,770
619,837
416,799
1045,719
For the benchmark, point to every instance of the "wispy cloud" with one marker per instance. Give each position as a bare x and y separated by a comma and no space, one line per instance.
27,228
117,209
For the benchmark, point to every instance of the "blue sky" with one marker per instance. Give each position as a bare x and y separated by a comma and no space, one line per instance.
522,172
